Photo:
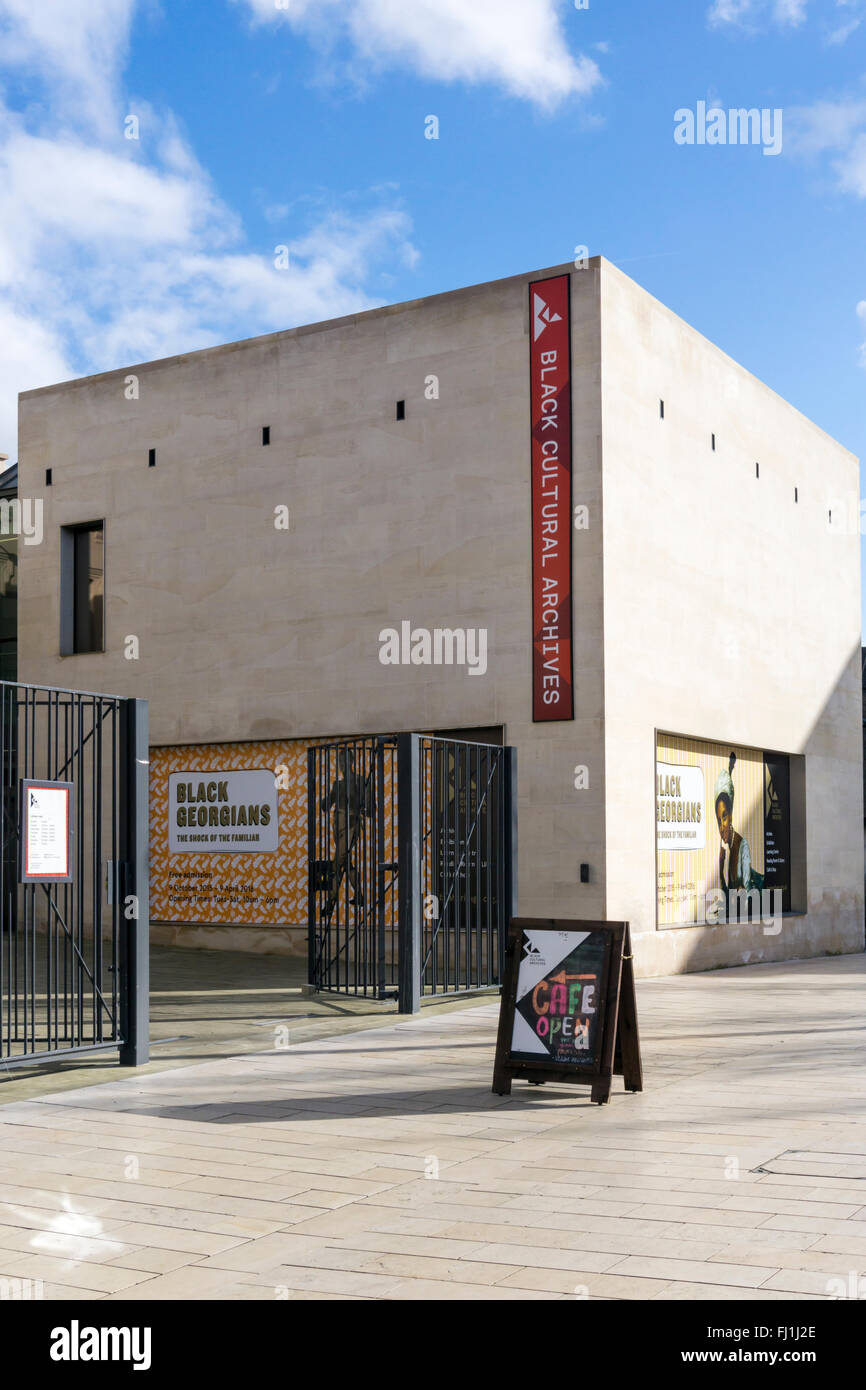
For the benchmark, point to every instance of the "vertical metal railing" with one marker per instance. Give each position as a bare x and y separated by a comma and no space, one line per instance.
73,956
412,865
467,844
351,809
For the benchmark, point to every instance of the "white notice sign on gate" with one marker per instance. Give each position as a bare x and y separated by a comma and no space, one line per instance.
46,832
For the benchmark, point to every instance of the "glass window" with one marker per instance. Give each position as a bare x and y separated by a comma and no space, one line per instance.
89,588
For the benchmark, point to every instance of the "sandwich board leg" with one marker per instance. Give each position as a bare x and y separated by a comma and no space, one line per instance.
501,1076
600,1093
629,1038
501,1083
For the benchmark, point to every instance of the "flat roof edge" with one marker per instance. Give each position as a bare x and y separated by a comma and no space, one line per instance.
383,310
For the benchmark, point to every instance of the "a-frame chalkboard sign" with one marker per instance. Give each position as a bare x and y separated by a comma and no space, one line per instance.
568,1008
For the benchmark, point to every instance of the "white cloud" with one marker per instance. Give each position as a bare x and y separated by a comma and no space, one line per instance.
751,14
76,50
789,11
114,251
852,168
827,125
31,353
844,31
853,14
755,15
729,11
835,130
59,185
516,44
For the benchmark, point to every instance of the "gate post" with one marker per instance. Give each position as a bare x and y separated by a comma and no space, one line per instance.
409,873
135,930
312,869
509,850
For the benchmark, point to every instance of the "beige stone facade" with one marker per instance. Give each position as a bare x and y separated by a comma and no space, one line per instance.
707,601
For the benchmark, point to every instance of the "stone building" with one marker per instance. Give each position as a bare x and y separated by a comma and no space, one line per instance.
264,539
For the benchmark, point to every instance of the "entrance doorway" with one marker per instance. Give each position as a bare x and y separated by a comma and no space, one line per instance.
412,865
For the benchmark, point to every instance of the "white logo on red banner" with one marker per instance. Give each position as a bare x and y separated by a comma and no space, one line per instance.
543,317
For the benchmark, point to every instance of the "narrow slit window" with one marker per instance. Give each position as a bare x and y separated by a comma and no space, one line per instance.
796,494
48,477
713,442
401,410
266,434
661,410
151,458
757,470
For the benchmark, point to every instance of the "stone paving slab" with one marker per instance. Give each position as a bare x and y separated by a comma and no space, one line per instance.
380,1165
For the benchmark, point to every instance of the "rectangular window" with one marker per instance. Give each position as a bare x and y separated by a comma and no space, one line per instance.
401,410
82,588
661,410
266,434
151,458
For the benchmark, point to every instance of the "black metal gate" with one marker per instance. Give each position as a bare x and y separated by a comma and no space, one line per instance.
74,954
412,864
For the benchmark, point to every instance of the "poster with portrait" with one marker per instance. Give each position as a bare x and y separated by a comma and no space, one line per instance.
723,830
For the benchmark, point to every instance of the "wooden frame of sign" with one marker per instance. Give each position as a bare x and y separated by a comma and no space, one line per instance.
568,1009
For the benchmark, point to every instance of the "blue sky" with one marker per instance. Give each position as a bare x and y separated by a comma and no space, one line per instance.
301,123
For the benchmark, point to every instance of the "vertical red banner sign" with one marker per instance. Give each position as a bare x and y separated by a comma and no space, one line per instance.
550,393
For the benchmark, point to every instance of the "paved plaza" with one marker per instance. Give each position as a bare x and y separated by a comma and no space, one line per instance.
378,1164
207,1004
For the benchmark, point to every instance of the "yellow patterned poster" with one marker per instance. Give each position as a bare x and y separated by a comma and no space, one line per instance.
228,825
